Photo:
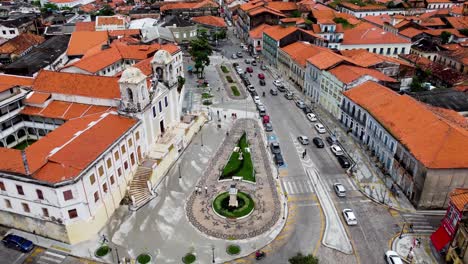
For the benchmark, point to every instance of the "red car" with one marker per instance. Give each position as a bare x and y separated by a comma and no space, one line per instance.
249,69
261,76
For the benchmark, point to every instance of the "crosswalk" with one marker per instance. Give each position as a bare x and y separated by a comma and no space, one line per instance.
420,223
51,257
304,186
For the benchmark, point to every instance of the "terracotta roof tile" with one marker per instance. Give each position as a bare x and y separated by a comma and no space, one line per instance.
363,8
7,81
77,84
367,59
210,20
124,32
145,66
282,6
301,51
11,161
188,5
347,74
266,10
279,32
365,34
251,5
296,20
20,43
378,20
109,20
410,32
434,141
81,41
458,22
85,26
36,98
432,22
257,33
459,198
326,59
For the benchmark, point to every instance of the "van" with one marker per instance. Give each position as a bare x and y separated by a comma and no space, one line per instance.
262,111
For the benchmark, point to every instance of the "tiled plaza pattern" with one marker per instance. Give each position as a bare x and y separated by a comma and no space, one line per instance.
267,205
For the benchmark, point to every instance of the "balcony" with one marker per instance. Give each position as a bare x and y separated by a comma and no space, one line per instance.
11,114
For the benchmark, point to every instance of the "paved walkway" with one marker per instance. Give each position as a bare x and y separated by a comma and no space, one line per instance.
421,254
267,204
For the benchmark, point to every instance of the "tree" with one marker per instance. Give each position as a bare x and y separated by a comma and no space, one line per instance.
180,83
200,50
36,3
106,11
296,13
48,7
463,31
301,259
445,36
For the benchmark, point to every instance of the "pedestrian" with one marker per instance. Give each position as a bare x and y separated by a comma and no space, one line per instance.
303,154
418,242
411,228
206,189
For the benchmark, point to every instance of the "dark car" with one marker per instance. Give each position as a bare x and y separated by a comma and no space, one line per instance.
344,161
17,242
332,140
249,69
239,54
281,88
279,159
254,93
254,63
307,110
262,82
235,64
247,82
318,142
268,127
275,147
273,92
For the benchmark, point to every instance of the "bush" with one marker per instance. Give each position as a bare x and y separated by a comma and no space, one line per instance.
189,258
301,259
224,69
233,249
206,95
207,102
144,258
229,79
235,91
102,251
245,202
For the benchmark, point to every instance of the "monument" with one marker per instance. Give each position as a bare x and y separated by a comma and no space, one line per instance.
233,196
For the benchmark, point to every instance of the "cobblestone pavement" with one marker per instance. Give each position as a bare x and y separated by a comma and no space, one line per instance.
267,205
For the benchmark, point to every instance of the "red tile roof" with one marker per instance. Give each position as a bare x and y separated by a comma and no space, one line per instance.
77,84
257,33
109,20
124,32
81,41
20,44
188,5
145,66
327,59
266,10
368,34
279,32
459,198
282,6
36,98
363,8
367,59
85,26
410,32
300,51
210,21
378,20
7,81
347,74
458,22
65,110
432,139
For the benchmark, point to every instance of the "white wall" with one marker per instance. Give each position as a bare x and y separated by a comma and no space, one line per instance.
8,33
384,49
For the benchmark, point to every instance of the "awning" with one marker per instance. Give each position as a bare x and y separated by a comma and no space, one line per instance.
440,238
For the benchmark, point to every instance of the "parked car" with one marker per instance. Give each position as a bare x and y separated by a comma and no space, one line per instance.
288,95
246,82
279,159
391,257
349,217
332,140
260,105
234,56
273,92
320,128
336,150
303,140
239,71
254,63
262,111
300,104
235,65
318,142
18,243
263,67
251,88
239,54
249,69
254,93
261,76
247,61
307,110
277,82
268,127
311,117
339,189
344,161
256,99
275,147
229,23
281,88
262,82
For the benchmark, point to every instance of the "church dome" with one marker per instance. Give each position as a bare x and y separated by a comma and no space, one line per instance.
132,75
162,57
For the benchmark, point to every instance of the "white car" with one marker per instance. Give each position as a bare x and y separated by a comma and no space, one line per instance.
251,88
391,257
256,99
320,128
303,140
234,56
277,82
339,189
260,105
336,150
311,117
349,217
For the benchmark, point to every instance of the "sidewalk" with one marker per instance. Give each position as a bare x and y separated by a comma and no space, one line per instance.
421,254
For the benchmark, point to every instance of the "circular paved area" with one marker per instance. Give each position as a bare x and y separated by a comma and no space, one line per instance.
267,204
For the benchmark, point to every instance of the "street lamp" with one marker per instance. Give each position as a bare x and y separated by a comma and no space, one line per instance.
212,250
284,212
117,253
201,137
402,228
180,174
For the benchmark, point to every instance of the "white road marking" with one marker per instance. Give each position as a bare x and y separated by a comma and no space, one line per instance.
55,254
19,257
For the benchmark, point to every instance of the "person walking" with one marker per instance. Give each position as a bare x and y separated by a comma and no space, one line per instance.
206,189
304,153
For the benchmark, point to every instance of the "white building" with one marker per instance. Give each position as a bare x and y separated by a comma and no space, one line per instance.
67,3
8,31
368,10
439,4
117,22
91,132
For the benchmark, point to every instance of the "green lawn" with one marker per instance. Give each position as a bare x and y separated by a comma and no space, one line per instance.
229,79
224,69
235,91
236,167
24,144
221,205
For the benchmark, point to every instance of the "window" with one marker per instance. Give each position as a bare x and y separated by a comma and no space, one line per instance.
154,111
45,212
403,50
2,186
123,149
12,32
92,179
112,179
104,187
26,207
20,190
109,163
67,195
132,159
160,106
381,51
130,142
101,171
126,165
4,32
96,196
166,103
40,195
116,155
72,213
137,135
7,203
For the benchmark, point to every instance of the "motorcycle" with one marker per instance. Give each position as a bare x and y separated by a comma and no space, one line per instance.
263,94
260,255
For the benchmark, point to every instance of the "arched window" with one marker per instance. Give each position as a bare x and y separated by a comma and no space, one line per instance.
130,94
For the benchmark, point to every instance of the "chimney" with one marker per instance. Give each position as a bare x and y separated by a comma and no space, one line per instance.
25,162
465,9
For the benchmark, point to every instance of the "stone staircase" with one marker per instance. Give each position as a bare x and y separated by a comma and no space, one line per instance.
139,189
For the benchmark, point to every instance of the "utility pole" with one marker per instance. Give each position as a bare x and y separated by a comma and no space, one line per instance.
402,229
180,174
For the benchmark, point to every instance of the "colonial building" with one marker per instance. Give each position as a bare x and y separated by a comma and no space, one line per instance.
453,232
422,148
71,144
